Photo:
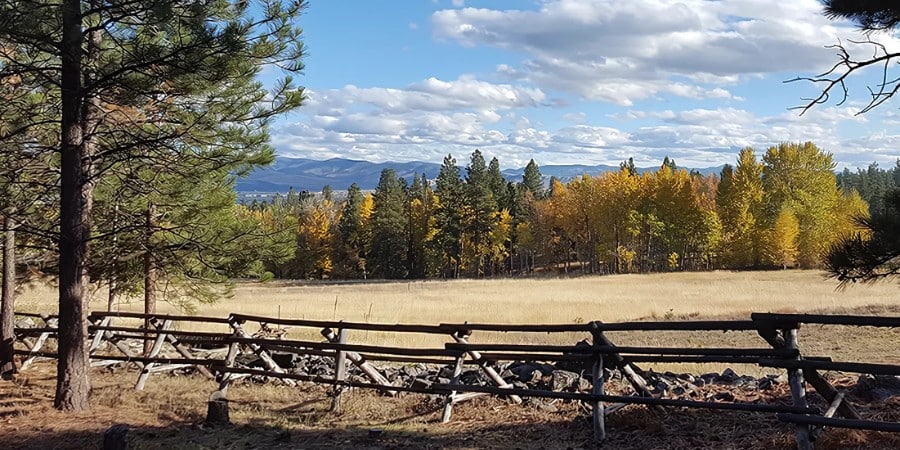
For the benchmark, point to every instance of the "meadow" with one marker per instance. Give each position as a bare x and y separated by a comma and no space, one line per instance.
534,300
611,298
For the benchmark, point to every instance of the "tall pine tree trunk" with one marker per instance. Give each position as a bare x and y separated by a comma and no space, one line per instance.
7,319
72,385
149,275
113,283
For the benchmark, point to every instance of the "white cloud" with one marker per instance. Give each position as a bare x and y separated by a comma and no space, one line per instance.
621,52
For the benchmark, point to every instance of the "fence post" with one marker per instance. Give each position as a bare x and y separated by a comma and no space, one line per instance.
457,370
798,390
599,414
491,373
340,371
154,351
361,362
260,350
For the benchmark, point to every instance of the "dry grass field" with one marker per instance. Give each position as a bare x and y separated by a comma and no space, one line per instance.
608,298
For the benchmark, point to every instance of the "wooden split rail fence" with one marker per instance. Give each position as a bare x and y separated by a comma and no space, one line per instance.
214,354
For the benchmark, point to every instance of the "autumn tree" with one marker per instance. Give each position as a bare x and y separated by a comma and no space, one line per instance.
581,219
873,255
784,234
316,235
872,183
801,176
617,192
644,225
740,205
688,229
422,257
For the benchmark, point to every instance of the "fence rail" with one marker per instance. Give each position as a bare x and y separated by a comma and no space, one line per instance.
131,344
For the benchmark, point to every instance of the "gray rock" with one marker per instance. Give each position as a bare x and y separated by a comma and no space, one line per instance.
770,381
446,372
709,378
878,387
728,376
744,381
687,377
25,322
414,371
472,377
563,380
662,386
285,360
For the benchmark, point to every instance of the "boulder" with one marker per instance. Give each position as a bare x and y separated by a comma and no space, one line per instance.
727,376
563,380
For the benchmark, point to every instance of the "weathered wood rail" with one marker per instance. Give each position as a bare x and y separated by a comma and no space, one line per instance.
214,354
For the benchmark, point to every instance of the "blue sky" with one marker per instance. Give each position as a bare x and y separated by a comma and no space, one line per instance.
575,82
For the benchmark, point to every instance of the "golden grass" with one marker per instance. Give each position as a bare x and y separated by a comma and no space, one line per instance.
608,298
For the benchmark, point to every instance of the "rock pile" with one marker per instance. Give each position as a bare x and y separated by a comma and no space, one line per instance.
520,374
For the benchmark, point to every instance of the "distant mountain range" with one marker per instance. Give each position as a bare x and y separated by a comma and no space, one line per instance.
312,175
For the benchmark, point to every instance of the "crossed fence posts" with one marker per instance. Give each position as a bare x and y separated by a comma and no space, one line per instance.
779,331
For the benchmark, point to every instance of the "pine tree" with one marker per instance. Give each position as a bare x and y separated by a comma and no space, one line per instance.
498,186
140,80
628,167
873,255
351,233
482,211
670,163
532,180
389,224
449,189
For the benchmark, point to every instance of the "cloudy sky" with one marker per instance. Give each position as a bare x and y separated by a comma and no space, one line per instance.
576,82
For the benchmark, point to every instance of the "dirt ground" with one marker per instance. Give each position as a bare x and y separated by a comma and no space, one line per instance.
169,414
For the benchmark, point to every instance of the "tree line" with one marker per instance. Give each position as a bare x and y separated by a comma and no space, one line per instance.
783,209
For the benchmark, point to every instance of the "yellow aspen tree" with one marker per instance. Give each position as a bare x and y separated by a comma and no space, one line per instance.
784,234
849,210
740,212
802,175
617,193
500,236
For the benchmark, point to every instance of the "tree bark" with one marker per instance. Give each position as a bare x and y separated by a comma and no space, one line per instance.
149,274
8,295
72,383
113,284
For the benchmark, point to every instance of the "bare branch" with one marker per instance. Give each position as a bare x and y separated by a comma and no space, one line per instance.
836,77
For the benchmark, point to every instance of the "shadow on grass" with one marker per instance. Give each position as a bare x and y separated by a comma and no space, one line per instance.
628,429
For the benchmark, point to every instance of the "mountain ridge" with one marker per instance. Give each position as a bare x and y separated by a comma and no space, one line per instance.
304,174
